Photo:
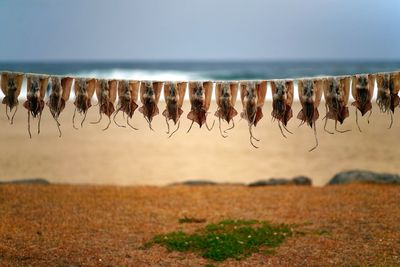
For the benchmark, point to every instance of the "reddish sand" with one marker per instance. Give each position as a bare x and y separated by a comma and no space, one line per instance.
62,225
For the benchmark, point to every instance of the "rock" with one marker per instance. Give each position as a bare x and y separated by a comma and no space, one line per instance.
36,181
205,182
196,182
272,181
359,176
298,180
301,180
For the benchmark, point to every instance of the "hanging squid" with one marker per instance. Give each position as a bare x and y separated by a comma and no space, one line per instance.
336,94
59,89
362,89
127,98
388,89
84,90
226,95
11,84
106,93
174,94
200,99
35,92
282,100
149,96
310,92
252,95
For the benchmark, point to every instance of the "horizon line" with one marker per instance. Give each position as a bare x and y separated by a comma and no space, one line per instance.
57,61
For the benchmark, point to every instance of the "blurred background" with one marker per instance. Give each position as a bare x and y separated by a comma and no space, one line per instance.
196,40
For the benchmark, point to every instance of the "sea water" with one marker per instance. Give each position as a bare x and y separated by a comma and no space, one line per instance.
187,70
233,70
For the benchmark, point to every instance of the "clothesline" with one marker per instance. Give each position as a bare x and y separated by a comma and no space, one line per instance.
336,91
204,80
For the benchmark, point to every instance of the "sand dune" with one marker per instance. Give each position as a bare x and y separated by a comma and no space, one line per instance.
124,156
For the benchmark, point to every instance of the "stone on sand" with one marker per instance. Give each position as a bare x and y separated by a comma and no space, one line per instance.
361,176
39,181
195,182
298,180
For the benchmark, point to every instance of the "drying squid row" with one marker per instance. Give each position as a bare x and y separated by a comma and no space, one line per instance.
115,96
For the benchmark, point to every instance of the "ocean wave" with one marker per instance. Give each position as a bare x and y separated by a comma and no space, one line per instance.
137,74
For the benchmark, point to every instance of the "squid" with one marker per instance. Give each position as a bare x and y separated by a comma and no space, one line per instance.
336,94
149,96
127,98
106,93
11,84
310,97
200,99
84,90
174,94
226,95
388,89
35,92
60,89
362,89
282,100
252,95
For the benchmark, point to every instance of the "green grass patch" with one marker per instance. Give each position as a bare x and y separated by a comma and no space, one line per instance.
227,239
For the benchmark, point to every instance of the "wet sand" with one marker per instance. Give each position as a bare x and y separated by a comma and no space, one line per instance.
127,157
65,225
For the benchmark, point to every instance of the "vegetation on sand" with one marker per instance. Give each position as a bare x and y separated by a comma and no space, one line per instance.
227,239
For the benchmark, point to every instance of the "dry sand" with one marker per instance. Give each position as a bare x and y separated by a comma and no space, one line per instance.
127,157
62,225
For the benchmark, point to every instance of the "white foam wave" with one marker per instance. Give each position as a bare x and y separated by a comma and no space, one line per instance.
137,74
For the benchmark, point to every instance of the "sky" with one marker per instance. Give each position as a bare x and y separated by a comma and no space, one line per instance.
102,30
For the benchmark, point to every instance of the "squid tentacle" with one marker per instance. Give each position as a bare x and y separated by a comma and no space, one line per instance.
316,138
220,129
127,122
177,128
230,128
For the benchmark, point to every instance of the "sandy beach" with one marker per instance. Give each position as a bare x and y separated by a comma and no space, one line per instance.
63,225
127,157
110,195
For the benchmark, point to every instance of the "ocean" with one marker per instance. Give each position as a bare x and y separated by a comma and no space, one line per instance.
187,70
